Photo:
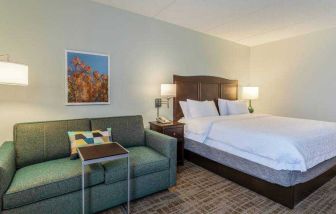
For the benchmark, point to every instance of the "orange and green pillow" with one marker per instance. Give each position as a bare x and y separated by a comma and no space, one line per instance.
87,138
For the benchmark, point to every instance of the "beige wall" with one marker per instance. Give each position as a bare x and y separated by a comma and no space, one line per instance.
297,76
144,53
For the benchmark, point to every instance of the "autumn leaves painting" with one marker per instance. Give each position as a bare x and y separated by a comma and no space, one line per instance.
87,78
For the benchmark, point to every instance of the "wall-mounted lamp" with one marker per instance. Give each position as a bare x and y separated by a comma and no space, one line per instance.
168,91
250,93
13,73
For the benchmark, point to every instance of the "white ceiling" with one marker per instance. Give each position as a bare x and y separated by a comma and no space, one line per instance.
248,22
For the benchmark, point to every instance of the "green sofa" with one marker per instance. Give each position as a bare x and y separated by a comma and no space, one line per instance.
37,175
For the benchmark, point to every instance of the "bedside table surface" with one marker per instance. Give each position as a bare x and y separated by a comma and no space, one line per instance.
173,123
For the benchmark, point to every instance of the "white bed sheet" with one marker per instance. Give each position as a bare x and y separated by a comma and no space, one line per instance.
280,143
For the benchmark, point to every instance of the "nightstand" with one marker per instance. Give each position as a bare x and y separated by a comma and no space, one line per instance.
173,129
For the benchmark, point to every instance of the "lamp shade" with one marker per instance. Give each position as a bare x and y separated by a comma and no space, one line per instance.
250,93
13,74
168,90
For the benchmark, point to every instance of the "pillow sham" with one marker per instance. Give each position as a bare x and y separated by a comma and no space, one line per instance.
202,108
185,110
87,138
222,105
237,107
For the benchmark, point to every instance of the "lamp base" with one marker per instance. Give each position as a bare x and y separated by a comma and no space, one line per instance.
250,108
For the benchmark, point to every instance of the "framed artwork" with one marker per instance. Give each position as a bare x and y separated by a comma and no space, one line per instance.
87,78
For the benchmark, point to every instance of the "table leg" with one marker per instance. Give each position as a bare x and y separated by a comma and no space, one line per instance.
128,185
83,188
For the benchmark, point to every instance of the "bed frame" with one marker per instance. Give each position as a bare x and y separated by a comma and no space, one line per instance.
212,88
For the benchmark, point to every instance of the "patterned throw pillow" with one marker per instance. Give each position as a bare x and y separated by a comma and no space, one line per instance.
87,138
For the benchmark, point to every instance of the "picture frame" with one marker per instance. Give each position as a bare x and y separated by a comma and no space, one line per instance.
87,78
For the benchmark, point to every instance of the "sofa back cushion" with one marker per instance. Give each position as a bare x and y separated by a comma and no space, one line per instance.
126,130
42,141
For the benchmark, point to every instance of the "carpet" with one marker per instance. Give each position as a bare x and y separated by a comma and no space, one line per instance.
201,191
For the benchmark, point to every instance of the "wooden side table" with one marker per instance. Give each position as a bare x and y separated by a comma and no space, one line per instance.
173,129
102,153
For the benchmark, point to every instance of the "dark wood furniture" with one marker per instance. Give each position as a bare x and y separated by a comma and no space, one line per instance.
202,88
101,151
212,88
173,129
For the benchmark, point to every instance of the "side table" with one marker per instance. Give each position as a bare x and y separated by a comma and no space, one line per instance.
102,153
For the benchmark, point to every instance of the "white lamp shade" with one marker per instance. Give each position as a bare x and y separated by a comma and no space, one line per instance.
13,74
168,90
250,93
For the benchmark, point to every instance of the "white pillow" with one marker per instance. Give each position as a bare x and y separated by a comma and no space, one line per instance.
237,107
222,105
202,108
185,110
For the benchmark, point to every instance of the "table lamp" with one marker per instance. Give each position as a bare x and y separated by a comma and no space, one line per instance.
250,93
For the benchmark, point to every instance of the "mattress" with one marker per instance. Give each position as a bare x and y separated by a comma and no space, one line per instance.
280,143
284,178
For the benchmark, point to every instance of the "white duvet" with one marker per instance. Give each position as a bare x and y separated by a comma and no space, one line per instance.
278,142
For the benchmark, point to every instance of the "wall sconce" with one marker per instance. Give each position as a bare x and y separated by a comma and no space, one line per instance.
13,73
168,91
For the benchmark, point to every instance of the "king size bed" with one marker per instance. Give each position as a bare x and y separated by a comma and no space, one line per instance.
284,159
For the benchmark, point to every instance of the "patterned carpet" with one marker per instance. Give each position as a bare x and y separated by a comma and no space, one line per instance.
200,191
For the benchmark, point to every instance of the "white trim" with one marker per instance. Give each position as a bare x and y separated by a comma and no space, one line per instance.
66,79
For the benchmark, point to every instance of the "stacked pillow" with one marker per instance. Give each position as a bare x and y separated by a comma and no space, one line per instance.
231,107
195,109
185,110
88,138
202,108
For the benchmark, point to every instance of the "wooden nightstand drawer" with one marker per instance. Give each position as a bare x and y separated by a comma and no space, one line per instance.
174,132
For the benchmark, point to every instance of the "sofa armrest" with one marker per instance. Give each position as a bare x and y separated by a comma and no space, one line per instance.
165,145
7,167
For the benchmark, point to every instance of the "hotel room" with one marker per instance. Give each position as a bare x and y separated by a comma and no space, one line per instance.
167,106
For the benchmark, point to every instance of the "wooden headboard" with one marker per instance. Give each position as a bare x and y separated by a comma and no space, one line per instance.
202,88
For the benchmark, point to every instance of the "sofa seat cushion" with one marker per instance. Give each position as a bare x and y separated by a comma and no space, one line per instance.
143,160
49,179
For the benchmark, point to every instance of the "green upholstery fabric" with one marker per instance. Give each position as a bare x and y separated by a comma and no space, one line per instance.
127,130
99,197
42,141
140,187
166,146
34,180
143,161
7,167
49,179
